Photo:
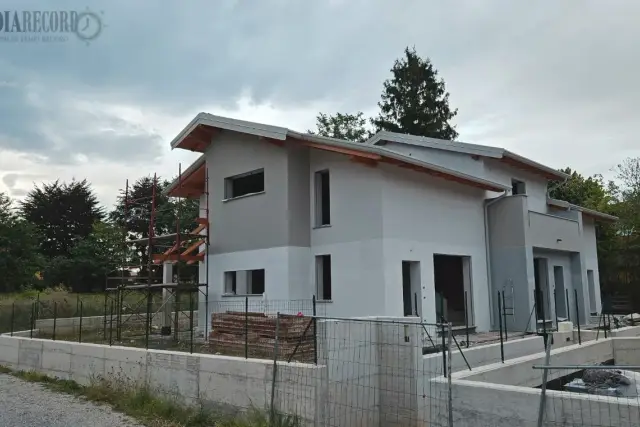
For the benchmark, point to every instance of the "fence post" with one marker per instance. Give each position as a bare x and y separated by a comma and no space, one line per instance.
577,314
500,323
545,376
566,293
38,305
147,328
535,309
450,391
555,305
246,327
111,324
33,321
191,319
80,328
466,317
444,348
504,318
315,332
272,412
104,318
13,311
55,315
544,315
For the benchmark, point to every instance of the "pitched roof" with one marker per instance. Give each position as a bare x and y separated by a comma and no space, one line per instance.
197,135
381,138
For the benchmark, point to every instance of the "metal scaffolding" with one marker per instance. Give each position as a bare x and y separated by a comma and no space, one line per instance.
172,286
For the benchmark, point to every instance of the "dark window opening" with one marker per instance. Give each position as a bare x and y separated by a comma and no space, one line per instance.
518,187
256,279
247,183
323,198
230,285
323,277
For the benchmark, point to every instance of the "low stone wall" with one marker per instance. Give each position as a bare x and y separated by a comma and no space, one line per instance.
226,383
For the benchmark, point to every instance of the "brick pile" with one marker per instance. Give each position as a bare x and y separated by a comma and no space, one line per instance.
228,335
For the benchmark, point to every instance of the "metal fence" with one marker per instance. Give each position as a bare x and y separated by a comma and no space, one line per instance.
330,371
235,326
370,372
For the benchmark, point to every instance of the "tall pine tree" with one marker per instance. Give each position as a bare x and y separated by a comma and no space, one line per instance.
63,213
414,100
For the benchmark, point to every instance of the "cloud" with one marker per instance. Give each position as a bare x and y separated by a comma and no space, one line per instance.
553,81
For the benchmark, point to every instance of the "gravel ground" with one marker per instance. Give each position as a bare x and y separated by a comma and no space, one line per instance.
25,404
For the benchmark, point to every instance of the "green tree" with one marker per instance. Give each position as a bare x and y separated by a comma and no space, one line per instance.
588,192
63,213
627,274
95,257
414,101
20,261
352,127
592,192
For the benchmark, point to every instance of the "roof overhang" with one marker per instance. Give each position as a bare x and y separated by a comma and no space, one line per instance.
506,156
531,166
381,138
197,135
191,182
374,153
585,211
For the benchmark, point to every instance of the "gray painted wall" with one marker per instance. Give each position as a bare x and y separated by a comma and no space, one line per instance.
277,217
510,259
381,216
554,232
298,195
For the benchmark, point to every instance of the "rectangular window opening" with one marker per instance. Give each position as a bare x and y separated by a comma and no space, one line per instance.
256,282
518,187
244,184
244,282
323,277
322,198
230,286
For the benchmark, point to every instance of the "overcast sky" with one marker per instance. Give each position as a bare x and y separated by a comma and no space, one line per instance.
553,81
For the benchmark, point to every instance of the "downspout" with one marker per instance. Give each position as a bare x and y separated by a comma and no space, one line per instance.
487,249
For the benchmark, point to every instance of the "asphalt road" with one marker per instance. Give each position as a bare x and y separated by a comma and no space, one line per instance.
24,404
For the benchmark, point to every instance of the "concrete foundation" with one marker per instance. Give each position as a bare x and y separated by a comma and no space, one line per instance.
505,394
226,383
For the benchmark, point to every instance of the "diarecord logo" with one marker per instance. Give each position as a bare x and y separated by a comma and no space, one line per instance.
50,25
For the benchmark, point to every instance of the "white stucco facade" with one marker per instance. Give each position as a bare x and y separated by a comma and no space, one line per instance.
387,218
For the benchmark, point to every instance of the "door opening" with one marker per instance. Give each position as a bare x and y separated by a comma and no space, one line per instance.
411,299
452,276
541,289
559,292
592,293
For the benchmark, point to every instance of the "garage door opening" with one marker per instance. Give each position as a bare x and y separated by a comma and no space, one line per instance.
452,276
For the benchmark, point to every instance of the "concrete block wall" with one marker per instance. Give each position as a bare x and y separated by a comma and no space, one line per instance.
498,405
485,354
504,395
400,351
520,371
226,383
348,348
